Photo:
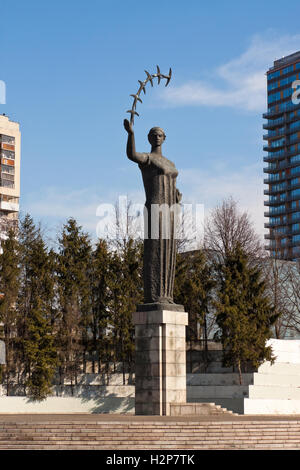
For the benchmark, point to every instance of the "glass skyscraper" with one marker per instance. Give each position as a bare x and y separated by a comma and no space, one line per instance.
283,158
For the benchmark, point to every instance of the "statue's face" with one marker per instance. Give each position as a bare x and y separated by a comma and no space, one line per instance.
156,137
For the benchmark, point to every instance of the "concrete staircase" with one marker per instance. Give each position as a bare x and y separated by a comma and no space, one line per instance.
84,434
271,389
198,409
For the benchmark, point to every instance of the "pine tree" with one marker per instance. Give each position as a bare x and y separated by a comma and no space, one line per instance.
244,313
74,295
101,279
127,292
37,343
40,351
27,236
9,287
193,289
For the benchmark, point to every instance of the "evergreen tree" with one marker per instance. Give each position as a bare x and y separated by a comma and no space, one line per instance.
74,294
38,341
127,292
40,351
33,326
101,285
193,289
244,313
27,236
9,288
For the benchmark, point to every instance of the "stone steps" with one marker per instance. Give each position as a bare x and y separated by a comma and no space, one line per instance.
197,409
280,392
212,379
146,435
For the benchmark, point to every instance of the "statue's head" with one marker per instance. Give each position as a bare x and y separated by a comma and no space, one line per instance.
156,136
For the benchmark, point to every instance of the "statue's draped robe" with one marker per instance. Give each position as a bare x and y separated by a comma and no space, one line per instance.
159,178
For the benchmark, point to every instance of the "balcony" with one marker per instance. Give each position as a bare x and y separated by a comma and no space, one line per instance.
9,206
6,146
283,107
5,183
278,246
285,189
269,236
274,123
279,122
270,114
273,214
286,210
274,180
274,134
289,221
270,148
281,165
283,178
274,224
274,203
276,156
277,236
280,155
276,191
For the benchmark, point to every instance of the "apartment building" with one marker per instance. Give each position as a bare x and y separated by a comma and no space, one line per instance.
283,159
10,148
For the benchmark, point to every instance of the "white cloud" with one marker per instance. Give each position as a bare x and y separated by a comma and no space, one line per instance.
53,206
244,81
210,188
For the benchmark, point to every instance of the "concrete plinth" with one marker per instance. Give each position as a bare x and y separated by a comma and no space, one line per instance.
160,358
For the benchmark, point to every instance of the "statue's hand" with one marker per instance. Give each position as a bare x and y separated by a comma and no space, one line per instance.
128,126
178,196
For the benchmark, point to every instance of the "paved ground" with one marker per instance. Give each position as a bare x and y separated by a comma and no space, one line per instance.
131,418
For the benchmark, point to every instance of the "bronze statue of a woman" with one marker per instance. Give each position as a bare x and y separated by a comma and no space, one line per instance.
159,178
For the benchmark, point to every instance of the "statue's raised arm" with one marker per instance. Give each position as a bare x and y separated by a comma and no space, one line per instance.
130,149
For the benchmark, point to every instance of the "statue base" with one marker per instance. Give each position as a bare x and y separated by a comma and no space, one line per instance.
159,306
160,360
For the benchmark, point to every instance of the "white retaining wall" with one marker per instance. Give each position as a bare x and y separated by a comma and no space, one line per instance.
62,405
273,389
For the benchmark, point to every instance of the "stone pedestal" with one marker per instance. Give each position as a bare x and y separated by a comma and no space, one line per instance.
160,360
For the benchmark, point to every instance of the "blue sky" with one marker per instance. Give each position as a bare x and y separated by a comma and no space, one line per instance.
70,66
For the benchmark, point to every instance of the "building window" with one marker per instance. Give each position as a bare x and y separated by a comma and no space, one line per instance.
274,75
277,143
278,187
295,125
294,181
7,139
7,154
275,220
6,183
295,192
295,215
288,69
276,209
294,137
294,159
8,169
